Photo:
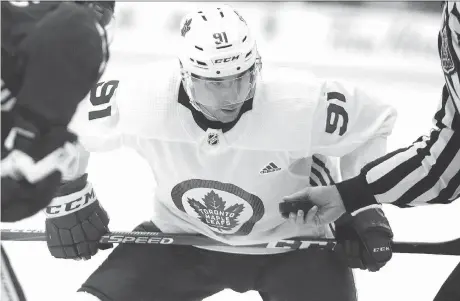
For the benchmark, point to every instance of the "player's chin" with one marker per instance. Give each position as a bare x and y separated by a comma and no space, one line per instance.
228,114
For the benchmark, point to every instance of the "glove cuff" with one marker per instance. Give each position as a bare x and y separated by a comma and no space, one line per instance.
73,196
373,219
73,186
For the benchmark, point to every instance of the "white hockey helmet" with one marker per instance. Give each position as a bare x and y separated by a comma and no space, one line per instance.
219,58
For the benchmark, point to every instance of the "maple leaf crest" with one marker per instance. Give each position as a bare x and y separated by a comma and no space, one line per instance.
186,27
213,212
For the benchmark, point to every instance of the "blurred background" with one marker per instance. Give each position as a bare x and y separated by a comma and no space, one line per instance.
387,48
393,36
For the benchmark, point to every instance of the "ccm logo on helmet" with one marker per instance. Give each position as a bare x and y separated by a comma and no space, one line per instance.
226,59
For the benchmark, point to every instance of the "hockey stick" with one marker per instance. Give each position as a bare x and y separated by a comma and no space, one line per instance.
451,247
173,239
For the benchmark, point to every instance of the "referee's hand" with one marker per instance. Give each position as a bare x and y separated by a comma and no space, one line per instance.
326,198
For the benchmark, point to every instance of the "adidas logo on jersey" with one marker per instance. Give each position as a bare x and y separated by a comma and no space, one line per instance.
270,168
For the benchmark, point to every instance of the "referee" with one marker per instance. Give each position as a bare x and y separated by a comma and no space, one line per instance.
426,172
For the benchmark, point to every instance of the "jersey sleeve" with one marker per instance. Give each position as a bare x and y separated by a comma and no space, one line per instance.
124,107
352,163
347,118
65,56
97,120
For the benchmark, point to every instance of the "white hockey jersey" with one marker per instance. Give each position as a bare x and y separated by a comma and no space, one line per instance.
228,186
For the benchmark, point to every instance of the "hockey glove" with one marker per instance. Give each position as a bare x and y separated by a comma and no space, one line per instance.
34,157
365,239
76,221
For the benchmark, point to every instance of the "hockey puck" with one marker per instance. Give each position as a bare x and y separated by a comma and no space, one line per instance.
287,207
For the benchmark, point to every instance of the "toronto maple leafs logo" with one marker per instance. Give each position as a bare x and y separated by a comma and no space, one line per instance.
446,58
223,207
186,27
214,213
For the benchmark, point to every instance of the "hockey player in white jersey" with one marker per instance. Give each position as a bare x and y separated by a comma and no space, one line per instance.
225,144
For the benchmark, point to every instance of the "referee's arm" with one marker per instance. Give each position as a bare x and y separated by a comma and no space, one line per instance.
428,171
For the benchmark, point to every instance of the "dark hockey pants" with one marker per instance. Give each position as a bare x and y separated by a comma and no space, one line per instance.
186,273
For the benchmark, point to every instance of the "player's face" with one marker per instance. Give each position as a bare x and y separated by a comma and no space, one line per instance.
223,97
225,115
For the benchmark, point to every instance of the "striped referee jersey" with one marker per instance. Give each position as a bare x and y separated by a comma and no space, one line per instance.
428,171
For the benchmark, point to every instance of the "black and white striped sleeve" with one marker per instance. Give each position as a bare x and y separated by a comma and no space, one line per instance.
428,171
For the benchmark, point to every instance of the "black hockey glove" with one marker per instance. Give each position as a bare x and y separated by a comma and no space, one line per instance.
365,239
34,157
76,222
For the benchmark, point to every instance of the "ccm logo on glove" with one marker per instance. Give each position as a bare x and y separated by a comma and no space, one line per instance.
66,208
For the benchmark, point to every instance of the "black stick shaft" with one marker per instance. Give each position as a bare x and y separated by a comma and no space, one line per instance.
451,247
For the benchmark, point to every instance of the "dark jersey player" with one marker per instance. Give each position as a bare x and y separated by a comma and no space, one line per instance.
52,54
